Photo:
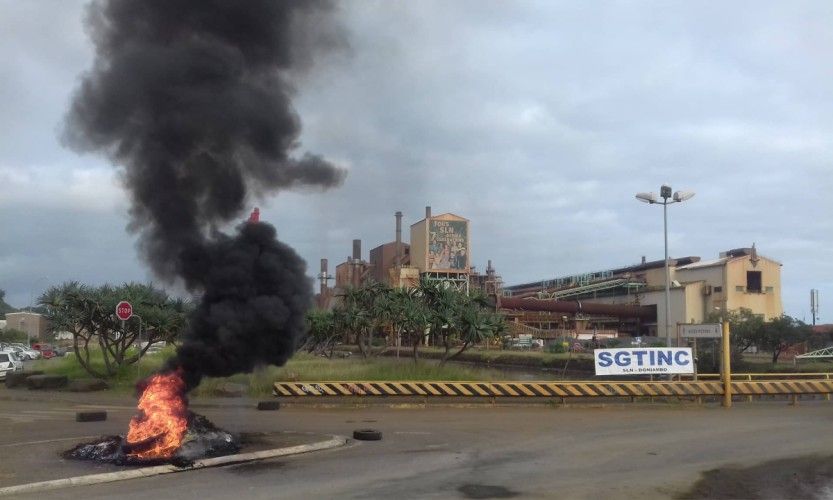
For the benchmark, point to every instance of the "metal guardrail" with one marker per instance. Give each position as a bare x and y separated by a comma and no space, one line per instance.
753,376
547,389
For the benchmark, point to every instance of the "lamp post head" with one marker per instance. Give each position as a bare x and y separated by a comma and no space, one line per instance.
683,195
665,191
646,197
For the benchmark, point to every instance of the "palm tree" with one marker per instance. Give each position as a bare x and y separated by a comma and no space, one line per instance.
415,319
475,324
444,304
351,319
363,311
386,311
408,316
321,332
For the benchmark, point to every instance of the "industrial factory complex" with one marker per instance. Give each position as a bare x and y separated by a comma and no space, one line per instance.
620,301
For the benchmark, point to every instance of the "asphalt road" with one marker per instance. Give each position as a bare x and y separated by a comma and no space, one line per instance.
613,452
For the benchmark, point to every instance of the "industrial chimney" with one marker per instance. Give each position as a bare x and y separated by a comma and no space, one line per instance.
323,277
427,212
398,239
356,267
357,250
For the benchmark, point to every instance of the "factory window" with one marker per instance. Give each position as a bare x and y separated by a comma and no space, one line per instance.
769,289
753,281
718,289
738,288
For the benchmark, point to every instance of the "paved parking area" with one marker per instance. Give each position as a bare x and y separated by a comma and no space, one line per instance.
617,452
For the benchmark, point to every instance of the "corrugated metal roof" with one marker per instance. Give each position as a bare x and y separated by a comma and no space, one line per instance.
704,263
721,261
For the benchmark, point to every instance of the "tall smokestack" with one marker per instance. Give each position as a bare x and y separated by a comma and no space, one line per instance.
323,277
357,250
398,239
427,212
191,100
356,261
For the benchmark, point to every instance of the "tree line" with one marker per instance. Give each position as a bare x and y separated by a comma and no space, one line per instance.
379,319
775,336
374,317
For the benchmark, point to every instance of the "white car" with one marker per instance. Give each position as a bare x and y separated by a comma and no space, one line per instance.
9,363
31,353
21,352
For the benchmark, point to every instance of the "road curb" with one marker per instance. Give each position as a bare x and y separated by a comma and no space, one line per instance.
109,477
553,403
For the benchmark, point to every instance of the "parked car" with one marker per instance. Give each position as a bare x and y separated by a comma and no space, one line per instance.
46,350
33,354
21,353
9,363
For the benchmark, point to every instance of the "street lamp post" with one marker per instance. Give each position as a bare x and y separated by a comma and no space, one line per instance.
32,291
667,199
31,306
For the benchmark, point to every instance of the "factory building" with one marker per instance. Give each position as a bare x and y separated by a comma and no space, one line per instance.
624,301
738,278
439,250
35,325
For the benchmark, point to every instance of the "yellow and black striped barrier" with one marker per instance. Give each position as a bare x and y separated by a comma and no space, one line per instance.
762,376
548,389
767,387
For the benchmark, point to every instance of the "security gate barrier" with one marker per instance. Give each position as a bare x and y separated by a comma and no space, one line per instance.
773,387
547,389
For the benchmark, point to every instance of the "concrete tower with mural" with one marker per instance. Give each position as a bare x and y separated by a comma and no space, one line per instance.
440,248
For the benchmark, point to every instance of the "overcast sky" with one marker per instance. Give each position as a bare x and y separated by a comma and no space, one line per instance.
538,121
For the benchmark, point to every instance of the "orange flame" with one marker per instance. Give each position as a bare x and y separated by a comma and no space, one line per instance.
162,421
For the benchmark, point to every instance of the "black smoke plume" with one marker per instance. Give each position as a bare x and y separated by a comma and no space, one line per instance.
192,100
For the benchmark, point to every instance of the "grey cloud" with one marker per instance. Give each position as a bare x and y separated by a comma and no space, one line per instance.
539,121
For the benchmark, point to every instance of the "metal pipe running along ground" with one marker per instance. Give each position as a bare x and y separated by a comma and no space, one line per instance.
548,389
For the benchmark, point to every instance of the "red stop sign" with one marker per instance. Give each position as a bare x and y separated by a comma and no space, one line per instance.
124,310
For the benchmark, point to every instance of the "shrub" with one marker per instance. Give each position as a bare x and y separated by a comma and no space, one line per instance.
12,335
557,347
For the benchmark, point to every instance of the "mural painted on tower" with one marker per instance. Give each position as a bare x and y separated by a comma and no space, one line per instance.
447,245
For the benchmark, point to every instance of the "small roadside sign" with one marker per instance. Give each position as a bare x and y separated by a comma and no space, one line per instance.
644,361
706,331
124,310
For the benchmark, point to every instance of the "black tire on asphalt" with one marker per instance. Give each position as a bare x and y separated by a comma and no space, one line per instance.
367,435
90,416
269,405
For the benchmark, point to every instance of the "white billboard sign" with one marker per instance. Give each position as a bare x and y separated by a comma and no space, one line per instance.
644,361
707,331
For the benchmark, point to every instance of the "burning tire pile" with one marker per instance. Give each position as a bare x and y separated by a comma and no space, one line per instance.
201,439
164,431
